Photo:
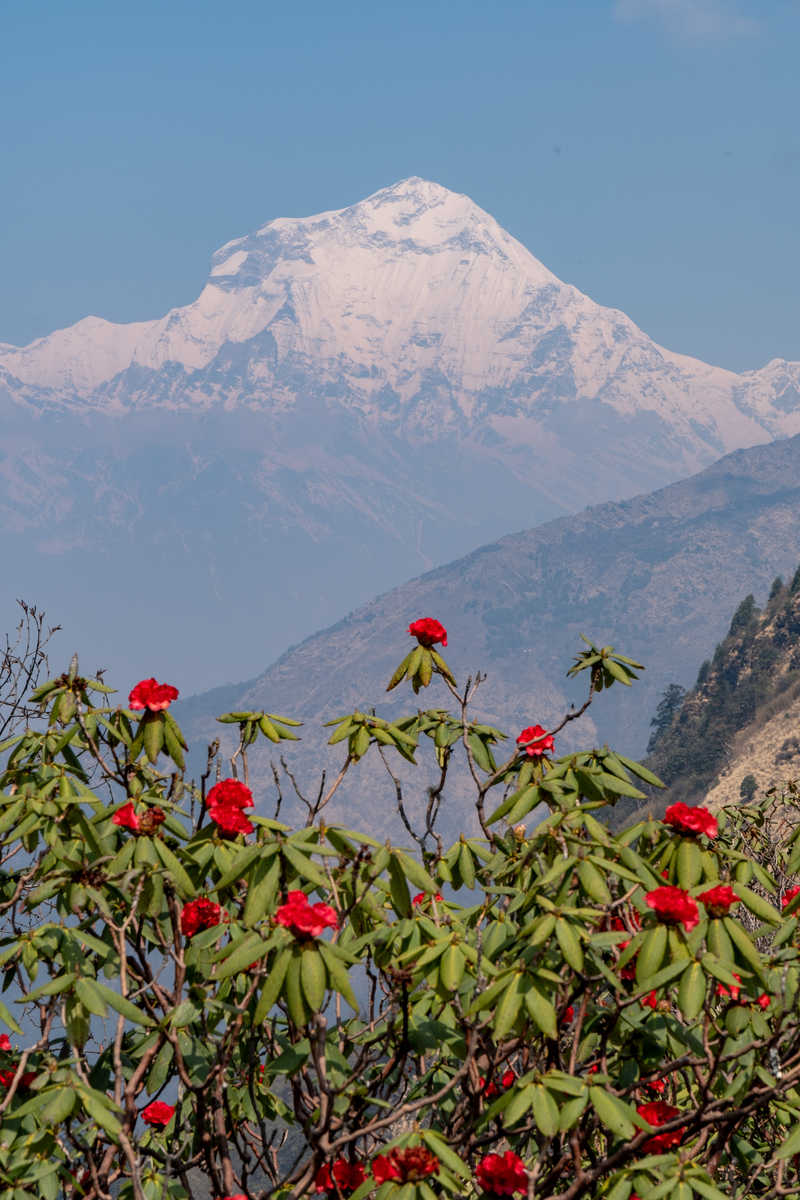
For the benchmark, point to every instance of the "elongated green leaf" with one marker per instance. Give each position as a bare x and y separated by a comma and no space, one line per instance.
545,1111
337,975
313,976
692,991
509,1008
613,1113
569,943
123,1006
246,952
177,872
651,954
272,985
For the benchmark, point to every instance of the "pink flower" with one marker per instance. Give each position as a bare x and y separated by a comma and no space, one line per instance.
674,906
428,632
535,740
126,818
718,900
502,1174
687,819
150,694
304,919
199,914
158,1113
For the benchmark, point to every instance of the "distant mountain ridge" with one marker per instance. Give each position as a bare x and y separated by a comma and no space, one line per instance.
656,576
353,397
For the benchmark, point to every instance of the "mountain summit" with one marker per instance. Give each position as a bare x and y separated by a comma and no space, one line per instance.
359,394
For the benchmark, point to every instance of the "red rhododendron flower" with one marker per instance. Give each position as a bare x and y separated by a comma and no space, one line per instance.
650,1000
764,1000
658,1112
304,919
25,1079
126,818
158,1113
230,793
428,632
493,1088
688,819
657,1085
5,1043
567,1015
732,991
230,819
502,1174
150,694
407,1166
718,899
421,897
789,895
344,1175
535,740
199,914
674,906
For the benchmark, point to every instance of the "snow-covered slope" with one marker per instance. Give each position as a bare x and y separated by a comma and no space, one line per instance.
413,306
360,394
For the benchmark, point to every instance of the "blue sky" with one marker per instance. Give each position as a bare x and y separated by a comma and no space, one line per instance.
647,151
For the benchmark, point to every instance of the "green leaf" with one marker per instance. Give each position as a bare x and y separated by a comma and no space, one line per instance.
690,863
303,865
337,974
613,1113
244,952
262,889
59,1105
692,991
177,873
293,990
545,1111
99,1111
123,1006
313,976
651,954
398,888
52,987
415,872
509,1008
152,734
8,1020
541,1012
451,967
90,997
272,985
758,905
569,943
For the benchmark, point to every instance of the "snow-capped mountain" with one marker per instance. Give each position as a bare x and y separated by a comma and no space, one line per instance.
365,391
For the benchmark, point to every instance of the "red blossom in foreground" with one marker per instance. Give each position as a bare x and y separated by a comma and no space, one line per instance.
238,1196
225,803
342,1175
732,991
5,1041
764,1000
428,631
158,1113
567,1015
199,914
502,1174
304,919
25,1079
686,818
406,1166
719,899
789,895
658,1086
650,1000
126,818
535,740
658,1112
150,694
674,906
421,897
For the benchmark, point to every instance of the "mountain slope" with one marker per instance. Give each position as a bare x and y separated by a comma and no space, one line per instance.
353,397
740,719
656,576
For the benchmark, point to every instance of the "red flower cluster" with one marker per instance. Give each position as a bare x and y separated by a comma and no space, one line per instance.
502,1174
535,740
304,919
789,895
225,803
158,1113
199,914
732,991
342,1175
5,1041
126,818
492,1087
406,1166
764,1000
150,694
674,906
650,1000
421,897
686,818
718,899
658,1112
25,1079
428,632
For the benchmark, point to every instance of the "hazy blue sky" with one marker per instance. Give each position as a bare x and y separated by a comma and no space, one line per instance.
647,151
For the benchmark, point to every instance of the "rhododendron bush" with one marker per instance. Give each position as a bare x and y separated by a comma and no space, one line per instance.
202,1001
